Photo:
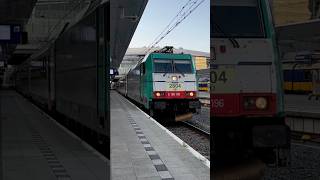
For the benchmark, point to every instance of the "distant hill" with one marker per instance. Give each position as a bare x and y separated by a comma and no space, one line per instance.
290,11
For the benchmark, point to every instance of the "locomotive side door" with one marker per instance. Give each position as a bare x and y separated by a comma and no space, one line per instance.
142,83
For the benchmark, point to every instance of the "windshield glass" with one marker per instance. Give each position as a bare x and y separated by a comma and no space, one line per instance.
162,66
236,21
183,67
172,66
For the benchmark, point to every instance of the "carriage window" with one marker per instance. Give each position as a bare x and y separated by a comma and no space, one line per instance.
237,21
162,66
183,66
307,75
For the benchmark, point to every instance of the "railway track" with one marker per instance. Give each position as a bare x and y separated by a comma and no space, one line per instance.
305,156
305,149
195,137
305,140
196,128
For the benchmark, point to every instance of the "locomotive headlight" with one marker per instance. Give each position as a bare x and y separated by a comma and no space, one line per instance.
174,78
158,94
190,93
261,103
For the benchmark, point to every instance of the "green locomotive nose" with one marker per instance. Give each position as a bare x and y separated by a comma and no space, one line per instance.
164,82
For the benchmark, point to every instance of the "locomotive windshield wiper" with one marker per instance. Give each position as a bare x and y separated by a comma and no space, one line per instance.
165,74
233,41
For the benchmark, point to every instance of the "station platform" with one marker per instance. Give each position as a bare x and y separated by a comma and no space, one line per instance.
301,104
141,149
35,147
303,114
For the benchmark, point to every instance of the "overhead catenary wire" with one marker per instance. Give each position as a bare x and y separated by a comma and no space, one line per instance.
175,17
192,6
184,12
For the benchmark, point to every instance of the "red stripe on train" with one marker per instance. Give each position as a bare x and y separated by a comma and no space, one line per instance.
233,105
174,94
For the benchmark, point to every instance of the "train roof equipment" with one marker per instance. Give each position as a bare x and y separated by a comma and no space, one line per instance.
166,49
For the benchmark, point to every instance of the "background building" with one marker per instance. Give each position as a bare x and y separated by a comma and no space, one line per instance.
293,11
133,55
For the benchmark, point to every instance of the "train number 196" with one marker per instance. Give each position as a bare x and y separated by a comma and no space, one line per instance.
218,103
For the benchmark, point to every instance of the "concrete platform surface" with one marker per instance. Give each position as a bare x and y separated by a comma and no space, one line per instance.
36,148
301,104
141,150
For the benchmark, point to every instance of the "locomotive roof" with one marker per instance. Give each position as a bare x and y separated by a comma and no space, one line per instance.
167,55
163,56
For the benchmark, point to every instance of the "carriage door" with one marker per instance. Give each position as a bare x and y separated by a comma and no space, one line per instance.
316,82
103,64
142,83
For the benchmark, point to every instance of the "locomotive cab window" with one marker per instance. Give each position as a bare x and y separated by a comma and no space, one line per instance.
162,66
183,66
243,21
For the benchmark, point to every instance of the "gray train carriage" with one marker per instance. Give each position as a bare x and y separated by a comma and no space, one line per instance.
70,82
80,77
33,78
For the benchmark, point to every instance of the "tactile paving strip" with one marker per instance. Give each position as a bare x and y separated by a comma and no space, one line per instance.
153,155
57,168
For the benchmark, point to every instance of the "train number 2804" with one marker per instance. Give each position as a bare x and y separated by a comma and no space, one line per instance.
175,86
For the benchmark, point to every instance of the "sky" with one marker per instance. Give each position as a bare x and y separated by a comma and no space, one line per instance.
193,33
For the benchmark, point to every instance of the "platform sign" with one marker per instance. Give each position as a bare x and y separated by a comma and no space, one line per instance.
10,34
113,73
